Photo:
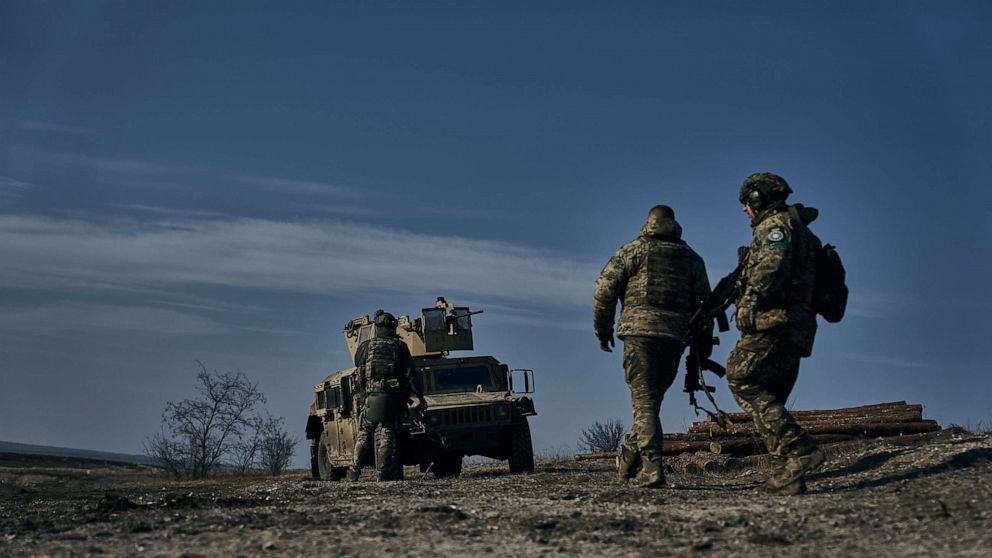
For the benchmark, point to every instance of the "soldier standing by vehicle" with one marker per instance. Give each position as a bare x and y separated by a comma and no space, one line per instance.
386,379
660,281
776,317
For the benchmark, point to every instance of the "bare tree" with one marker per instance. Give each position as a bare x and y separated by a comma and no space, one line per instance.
603,436
243,453
276,448
196,433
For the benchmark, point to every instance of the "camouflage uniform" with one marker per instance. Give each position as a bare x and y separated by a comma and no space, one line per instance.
385,370
776,293
660,281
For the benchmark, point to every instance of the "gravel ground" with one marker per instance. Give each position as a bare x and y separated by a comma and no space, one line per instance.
876,499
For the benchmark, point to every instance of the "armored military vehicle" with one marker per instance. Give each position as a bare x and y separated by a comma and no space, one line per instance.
473,406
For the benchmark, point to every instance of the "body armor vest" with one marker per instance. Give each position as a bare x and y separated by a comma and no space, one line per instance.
381,360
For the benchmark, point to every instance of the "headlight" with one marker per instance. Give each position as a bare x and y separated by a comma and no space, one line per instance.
501,412
433,419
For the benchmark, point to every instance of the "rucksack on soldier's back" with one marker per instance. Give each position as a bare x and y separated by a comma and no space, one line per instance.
830,292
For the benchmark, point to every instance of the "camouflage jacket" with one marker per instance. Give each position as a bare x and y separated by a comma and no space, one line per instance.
407,378
779,275
660,281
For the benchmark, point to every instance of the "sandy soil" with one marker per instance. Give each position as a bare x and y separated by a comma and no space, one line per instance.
877,499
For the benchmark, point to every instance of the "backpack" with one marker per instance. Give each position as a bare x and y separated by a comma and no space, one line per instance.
830,291
381,359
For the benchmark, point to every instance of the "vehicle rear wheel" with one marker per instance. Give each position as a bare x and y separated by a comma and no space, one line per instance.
324,467
447,466
521,449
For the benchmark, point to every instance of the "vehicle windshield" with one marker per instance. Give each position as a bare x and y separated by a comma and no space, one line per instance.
461,378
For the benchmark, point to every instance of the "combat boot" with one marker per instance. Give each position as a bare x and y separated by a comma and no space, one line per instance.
652,473
628,462
783,486
791,479
353,474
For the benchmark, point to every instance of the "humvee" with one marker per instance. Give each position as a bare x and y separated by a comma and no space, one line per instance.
473,406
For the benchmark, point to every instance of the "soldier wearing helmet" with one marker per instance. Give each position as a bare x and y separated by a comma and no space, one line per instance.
777,323
386,379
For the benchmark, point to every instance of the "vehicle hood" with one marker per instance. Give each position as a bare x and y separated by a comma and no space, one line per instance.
444,400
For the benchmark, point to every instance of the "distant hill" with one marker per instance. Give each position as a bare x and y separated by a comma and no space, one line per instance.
31,449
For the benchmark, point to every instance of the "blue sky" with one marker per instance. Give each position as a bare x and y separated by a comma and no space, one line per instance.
232,182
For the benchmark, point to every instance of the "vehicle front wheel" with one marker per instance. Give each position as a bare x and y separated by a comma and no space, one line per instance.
324,467
521,449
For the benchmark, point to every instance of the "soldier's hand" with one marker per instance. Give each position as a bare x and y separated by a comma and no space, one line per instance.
606,341
745,319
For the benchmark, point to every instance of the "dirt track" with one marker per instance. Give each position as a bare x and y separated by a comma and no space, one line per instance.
878,499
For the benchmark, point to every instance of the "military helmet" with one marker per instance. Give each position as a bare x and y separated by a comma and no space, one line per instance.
761,189
385,320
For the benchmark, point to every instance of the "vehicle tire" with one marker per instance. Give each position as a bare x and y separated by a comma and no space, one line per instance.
521,458
325,470
447,466
314,465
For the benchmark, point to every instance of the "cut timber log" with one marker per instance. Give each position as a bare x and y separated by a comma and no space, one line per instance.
866,410
740,447
667,448
595,455
839,420
868,429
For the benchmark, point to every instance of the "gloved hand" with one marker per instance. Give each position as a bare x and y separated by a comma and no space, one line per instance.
421,407
606,341
746,315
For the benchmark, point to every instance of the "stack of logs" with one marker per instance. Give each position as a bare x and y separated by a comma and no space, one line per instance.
707,445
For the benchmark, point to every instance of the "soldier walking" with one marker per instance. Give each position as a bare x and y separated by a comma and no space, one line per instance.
777,321
386,378
660,282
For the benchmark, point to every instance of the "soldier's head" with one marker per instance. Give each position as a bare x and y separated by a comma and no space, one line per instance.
661,213
762,190
385,322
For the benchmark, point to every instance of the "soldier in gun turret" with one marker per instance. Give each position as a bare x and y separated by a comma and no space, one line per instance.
386,379
777,322
660,281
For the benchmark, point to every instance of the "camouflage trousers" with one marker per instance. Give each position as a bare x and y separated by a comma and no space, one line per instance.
761,372
384,435
650,364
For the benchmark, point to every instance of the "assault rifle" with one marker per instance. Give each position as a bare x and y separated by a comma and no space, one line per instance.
701,341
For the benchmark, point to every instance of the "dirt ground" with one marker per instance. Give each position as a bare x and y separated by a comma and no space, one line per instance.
874,499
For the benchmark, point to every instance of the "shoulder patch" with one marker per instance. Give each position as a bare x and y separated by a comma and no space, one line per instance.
776,239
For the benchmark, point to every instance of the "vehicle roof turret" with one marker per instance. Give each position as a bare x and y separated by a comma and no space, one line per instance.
437,331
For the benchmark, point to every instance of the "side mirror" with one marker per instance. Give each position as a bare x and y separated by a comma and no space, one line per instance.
526,376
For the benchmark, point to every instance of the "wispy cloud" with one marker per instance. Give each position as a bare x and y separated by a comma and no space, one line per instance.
864,304
209,306
84,317
46,127
10,187
886,360
166,211
109,165
333,209
300,187
158,175
319,257
270,330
